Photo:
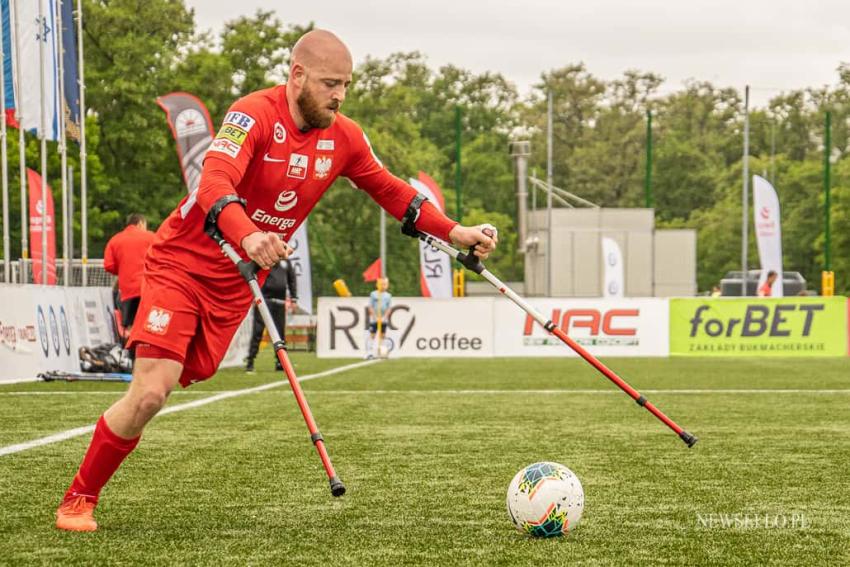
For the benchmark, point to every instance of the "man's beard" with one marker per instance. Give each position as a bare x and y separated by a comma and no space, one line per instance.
312,112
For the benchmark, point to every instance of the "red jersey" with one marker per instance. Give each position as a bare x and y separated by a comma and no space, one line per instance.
125,257
765,290
282,172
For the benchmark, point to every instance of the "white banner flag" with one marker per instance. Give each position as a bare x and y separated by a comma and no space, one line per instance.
436,267
768,232
38,26
300,261
614,283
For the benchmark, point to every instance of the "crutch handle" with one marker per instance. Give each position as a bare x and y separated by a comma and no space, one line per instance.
469,260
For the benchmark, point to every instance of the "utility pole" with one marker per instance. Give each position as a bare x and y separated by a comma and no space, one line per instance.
458,188
745,226
549,263
648,180
827,201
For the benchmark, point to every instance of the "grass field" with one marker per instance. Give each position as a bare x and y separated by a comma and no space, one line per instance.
427,449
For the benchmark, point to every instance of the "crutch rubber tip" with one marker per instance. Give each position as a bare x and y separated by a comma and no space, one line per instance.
337,487
689,439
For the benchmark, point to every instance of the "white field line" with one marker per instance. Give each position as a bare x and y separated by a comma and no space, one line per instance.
79,431
227,393
577,391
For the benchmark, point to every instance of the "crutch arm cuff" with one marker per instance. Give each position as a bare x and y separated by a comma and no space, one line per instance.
408,221
429,218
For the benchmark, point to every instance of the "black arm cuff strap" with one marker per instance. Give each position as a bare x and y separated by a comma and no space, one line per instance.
211,224
411,215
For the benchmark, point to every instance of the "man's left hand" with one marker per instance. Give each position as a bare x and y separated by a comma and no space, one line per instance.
483,237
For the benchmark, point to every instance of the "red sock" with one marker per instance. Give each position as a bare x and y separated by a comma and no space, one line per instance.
105,454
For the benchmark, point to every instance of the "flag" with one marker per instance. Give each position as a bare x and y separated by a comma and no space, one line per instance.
300,261
36,211
70,66
614,285
8,68
37,19
768,232
192,128
435,273
373,272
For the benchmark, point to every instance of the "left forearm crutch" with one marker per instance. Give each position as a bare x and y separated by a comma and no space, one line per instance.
249,270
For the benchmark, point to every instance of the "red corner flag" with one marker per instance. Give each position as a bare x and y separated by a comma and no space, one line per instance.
373,272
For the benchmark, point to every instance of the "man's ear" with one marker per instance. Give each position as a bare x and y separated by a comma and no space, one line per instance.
297,74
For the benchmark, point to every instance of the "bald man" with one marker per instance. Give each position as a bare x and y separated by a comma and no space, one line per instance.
277,152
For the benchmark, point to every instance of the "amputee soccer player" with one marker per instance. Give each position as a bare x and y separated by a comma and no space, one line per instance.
279,149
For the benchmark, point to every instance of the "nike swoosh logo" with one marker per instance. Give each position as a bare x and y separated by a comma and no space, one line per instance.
271,159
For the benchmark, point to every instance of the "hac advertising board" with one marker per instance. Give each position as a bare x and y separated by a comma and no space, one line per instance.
793,326
416,327
610,327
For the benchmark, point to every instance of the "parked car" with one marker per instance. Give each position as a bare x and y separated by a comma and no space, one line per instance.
730,286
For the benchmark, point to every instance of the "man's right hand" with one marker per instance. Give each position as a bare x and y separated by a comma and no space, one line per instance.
265,248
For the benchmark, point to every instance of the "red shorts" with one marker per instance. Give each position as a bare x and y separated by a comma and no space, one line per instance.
191,319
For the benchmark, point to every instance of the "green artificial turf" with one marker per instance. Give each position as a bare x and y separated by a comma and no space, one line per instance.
427,449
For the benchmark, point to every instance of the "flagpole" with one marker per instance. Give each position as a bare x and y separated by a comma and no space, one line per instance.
84,246
7,267
383,243
63,150
42,135
745,227
71,212
22,156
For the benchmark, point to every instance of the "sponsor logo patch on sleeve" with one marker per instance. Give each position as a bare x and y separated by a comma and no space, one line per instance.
225,146
240,119
233,133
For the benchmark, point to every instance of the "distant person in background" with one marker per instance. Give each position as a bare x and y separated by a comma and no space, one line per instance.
380,302
281,281
715,291
766,289
125,257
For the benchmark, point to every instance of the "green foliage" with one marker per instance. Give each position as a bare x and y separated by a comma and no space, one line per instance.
136,51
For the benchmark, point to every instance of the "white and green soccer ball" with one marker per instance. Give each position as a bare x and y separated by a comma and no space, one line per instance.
545,500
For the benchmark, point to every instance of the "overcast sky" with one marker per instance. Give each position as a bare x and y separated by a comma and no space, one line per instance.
771,45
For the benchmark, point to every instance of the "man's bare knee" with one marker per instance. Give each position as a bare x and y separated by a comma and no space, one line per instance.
153,380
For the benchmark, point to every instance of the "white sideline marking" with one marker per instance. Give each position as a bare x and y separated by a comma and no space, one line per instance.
79,431
464,392
576,391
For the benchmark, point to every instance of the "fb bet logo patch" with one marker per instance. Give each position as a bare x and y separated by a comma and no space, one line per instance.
240,120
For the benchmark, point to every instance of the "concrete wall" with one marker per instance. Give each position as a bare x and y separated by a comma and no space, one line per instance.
653,267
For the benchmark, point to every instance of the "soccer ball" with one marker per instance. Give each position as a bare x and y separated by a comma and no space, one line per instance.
545,500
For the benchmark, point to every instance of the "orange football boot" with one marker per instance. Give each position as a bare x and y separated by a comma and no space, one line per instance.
76,515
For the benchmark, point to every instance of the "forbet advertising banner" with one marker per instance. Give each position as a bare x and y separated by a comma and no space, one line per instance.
605,327
416,327
797,326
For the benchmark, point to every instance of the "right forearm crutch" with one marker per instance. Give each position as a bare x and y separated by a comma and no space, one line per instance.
249,271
